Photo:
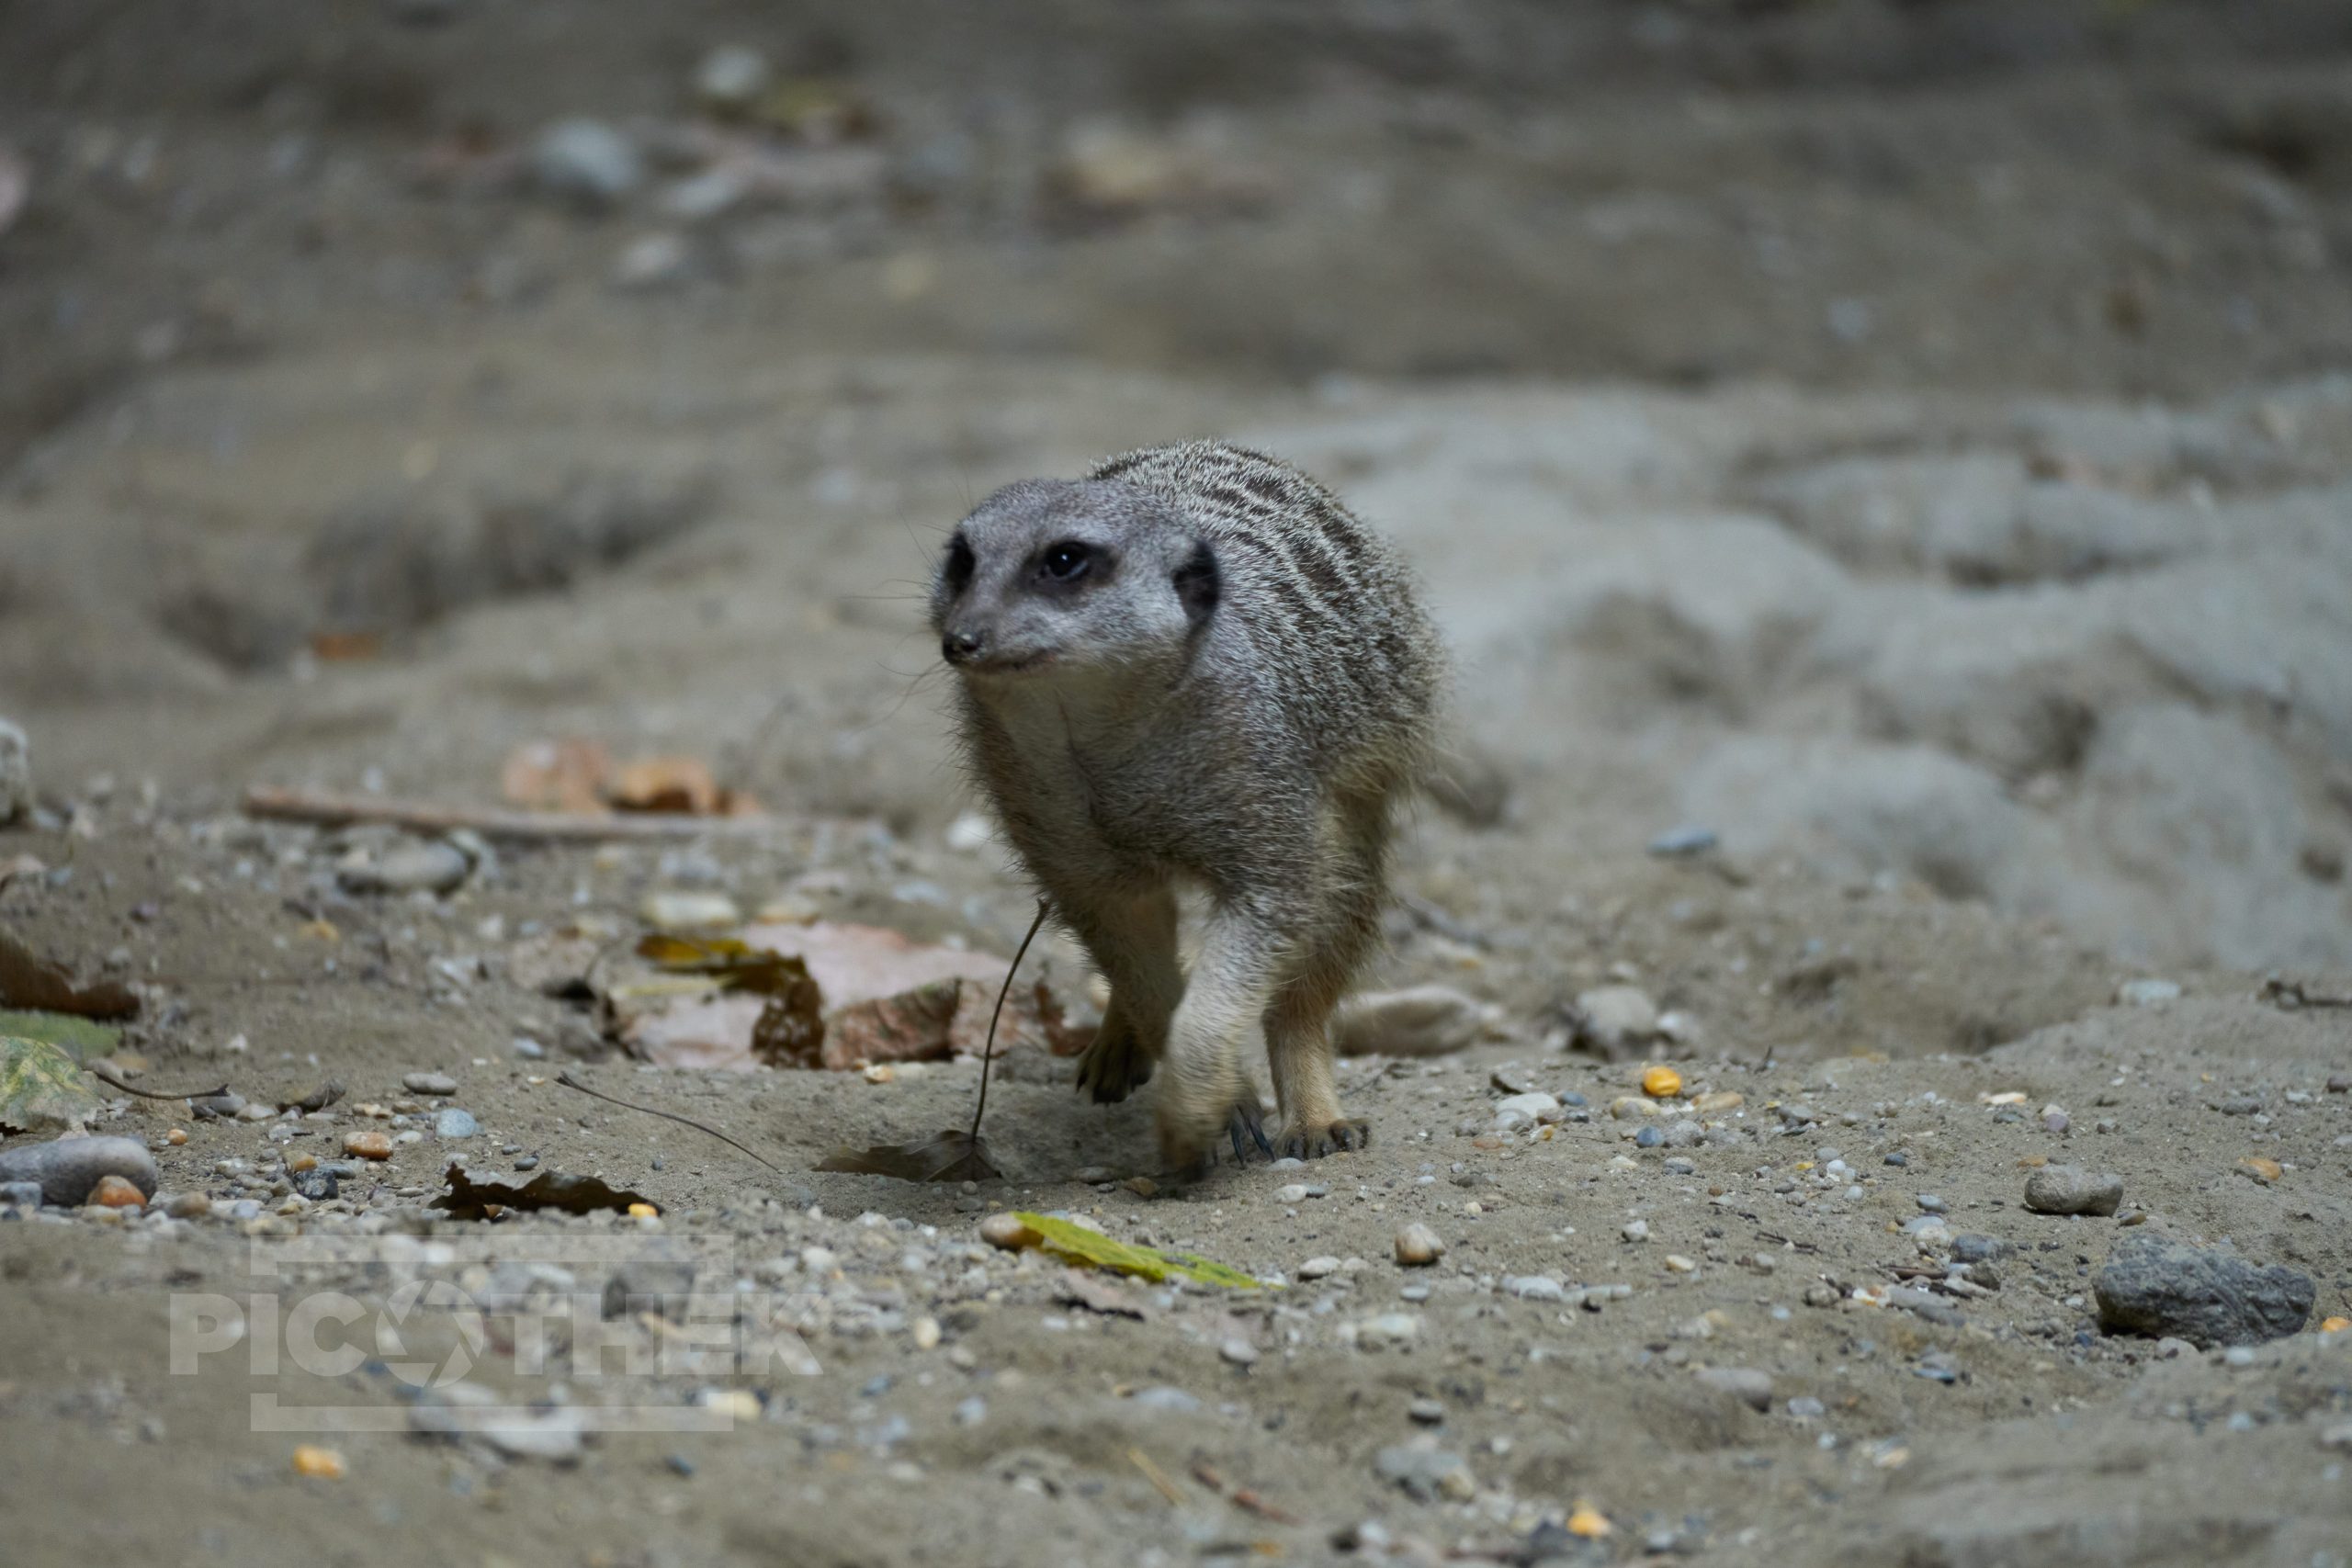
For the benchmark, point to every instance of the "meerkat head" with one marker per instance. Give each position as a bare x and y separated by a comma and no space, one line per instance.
1072,576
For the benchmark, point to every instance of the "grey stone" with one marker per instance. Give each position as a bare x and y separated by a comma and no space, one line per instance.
1682,1134
659,1285
1423,1020
1921,1304
1688,840
1968,1246
1612,1021
2071,1190
1425,1471
587,163
67,1168
455,1123
2208,1296
318,1183
429,1083
433,867
1534,1288
1161,1396
21,1194
468,1410
731,78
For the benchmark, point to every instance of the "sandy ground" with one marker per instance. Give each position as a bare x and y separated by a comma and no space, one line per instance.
1912,445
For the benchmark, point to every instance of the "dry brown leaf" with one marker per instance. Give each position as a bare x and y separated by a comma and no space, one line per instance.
856,963
666,783
952,1156
556,775
790,1031
28,980
470,1200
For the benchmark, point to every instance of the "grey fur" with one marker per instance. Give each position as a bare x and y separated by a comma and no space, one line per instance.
1232,692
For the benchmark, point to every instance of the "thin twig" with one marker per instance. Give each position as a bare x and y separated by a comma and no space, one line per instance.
1156,1476
568,1081
107,1078
988,1054
327,809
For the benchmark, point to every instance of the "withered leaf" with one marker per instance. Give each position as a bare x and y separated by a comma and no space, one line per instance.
953,1156
736,965
791,1028
470,1200
28,980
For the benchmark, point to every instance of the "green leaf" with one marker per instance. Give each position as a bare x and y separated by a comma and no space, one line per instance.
81,1039
1066,1239
41,1085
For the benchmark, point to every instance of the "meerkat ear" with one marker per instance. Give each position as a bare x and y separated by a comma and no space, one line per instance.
1197,583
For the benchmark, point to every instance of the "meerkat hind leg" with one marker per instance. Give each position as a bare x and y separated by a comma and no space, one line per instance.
1134,944
1298,1023
1298,1049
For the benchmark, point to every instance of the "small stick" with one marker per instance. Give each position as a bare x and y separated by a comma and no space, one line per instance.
1156,1476
326,809
105,1077
568,1081
988,1052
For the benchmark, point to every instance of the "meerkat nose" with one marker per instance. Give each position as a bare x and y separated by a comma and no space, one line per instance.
960,644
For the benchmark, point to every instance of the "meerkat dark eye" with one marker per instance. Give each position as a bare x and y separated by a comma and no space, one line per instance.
1066,561
958,567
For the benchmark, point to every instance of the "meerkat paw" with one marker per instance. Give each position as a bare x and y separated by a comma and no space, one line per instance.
1190,1148
1115,1064
1313,1140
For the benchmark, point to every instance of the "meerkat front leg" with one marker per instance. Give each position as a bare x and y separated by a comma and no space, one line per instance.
1133,941
1204,1093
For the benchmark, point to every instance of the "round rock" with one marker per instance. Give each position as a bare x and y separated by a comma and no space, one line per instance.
70,1168
2071,1190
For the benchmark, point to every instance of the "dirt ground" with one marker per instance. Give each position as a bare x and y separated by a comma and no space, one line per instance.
1911,443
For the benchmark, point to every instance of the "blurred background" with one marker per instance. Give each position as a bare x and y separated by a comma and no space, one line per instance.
1902,439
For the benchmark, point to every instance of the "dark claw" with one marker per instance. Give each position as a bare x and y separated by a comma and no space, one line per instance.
1245,1120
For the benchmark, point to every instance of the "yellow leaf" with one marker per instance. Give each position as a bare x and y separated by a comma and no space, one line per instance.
1078,1245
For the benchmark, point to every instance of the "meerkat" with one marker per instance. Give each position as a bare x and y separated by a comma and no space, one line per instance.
1194,666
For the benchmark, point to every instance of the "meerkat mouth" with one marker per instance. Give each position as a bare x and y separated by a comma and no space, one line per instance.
1022,664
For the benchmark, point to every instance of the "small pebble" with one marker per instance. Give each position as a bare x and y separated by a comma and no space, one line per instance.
318,1463
1238,1350
429,1083
115,1192
1417,1246
455,1123
368,1145
1317,1268
1426,1411
1929,1204
1636,1230
1008,1231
